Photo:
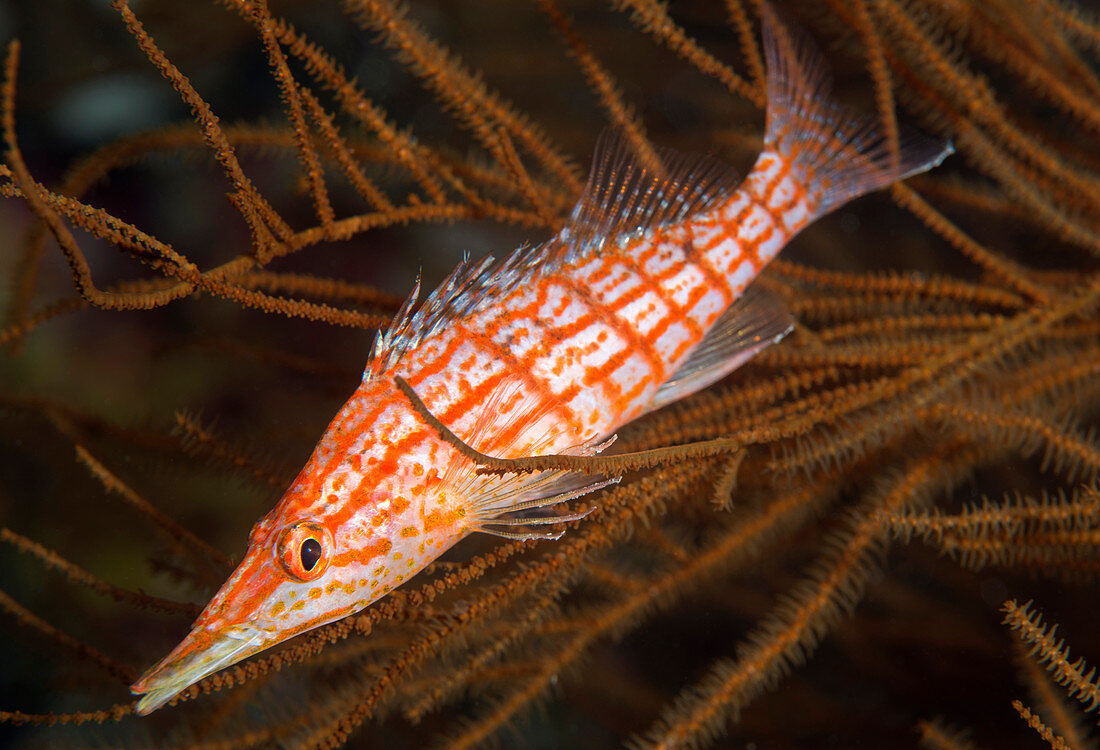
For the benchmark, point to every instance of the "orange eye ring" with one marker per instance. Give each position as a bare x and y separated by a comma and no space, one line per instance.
304,550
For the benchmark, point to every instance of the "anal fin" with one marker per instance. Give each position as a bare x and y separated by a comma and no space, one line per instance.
756,320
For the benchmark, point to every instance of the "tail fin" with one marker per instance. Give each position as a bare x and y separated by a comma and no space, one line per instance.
837,154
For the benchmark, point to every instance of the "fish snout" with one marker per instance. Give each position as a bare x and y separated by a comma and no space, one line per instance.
201,653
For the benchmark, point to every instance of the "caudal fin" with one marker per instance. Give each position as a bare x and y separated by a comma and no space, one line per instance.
836,154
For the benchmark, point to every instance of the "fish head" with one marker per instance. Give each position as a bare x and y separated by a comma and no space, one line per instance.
353,526
293,578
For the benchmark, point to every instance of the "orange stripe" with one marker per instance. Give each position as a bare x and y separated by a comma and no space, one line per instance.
622,327
784,170
777,220
739,219
732,229
645,284
472,397
799,193
603,270
342,445
518,368
751,249
547,338
542,349
683,311
381,470
693,254
613,363
679,315
697,294
628,398
515,366
426,369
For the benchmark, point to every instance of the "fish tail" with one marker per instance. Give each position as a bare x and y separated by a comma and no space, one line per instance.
833,154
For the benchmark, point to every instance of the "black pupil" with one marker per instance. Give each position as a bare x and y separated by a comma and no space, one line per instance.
311,553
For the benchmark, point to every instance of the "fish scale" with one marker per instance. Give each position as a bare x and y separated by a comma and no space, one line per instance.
641,299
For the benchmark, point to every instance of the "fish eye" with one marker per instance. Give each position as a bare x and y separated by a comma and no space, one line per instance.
304,550
311,553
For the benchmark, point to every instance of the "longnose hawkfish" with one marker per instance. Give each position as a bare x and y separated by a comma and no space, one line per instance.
641,298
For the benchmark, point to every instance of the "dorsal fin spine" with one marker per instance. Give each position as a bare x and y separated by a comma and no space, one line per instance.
623,199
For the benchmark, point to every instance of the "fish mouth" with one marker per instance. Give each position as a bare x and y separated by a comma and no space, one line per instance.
201,653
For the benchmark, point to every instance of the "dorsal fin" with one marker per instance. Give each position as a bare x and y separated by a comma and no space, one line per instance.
755,320
621,199
624,197
467,289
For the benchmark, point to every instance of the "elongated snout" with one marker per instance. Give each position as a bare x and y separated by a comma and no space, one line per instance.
201,653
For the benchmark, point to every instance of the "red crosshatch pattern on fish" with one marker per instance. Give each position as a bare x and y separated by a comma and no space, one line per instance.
641,299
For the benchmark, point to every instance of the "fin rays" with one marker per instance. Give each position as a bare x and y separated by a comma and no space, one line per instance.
623,197
838,154
756,320
517,499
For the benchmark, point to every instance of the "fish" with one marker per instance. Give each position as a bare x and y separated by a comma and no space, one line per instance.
642,298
